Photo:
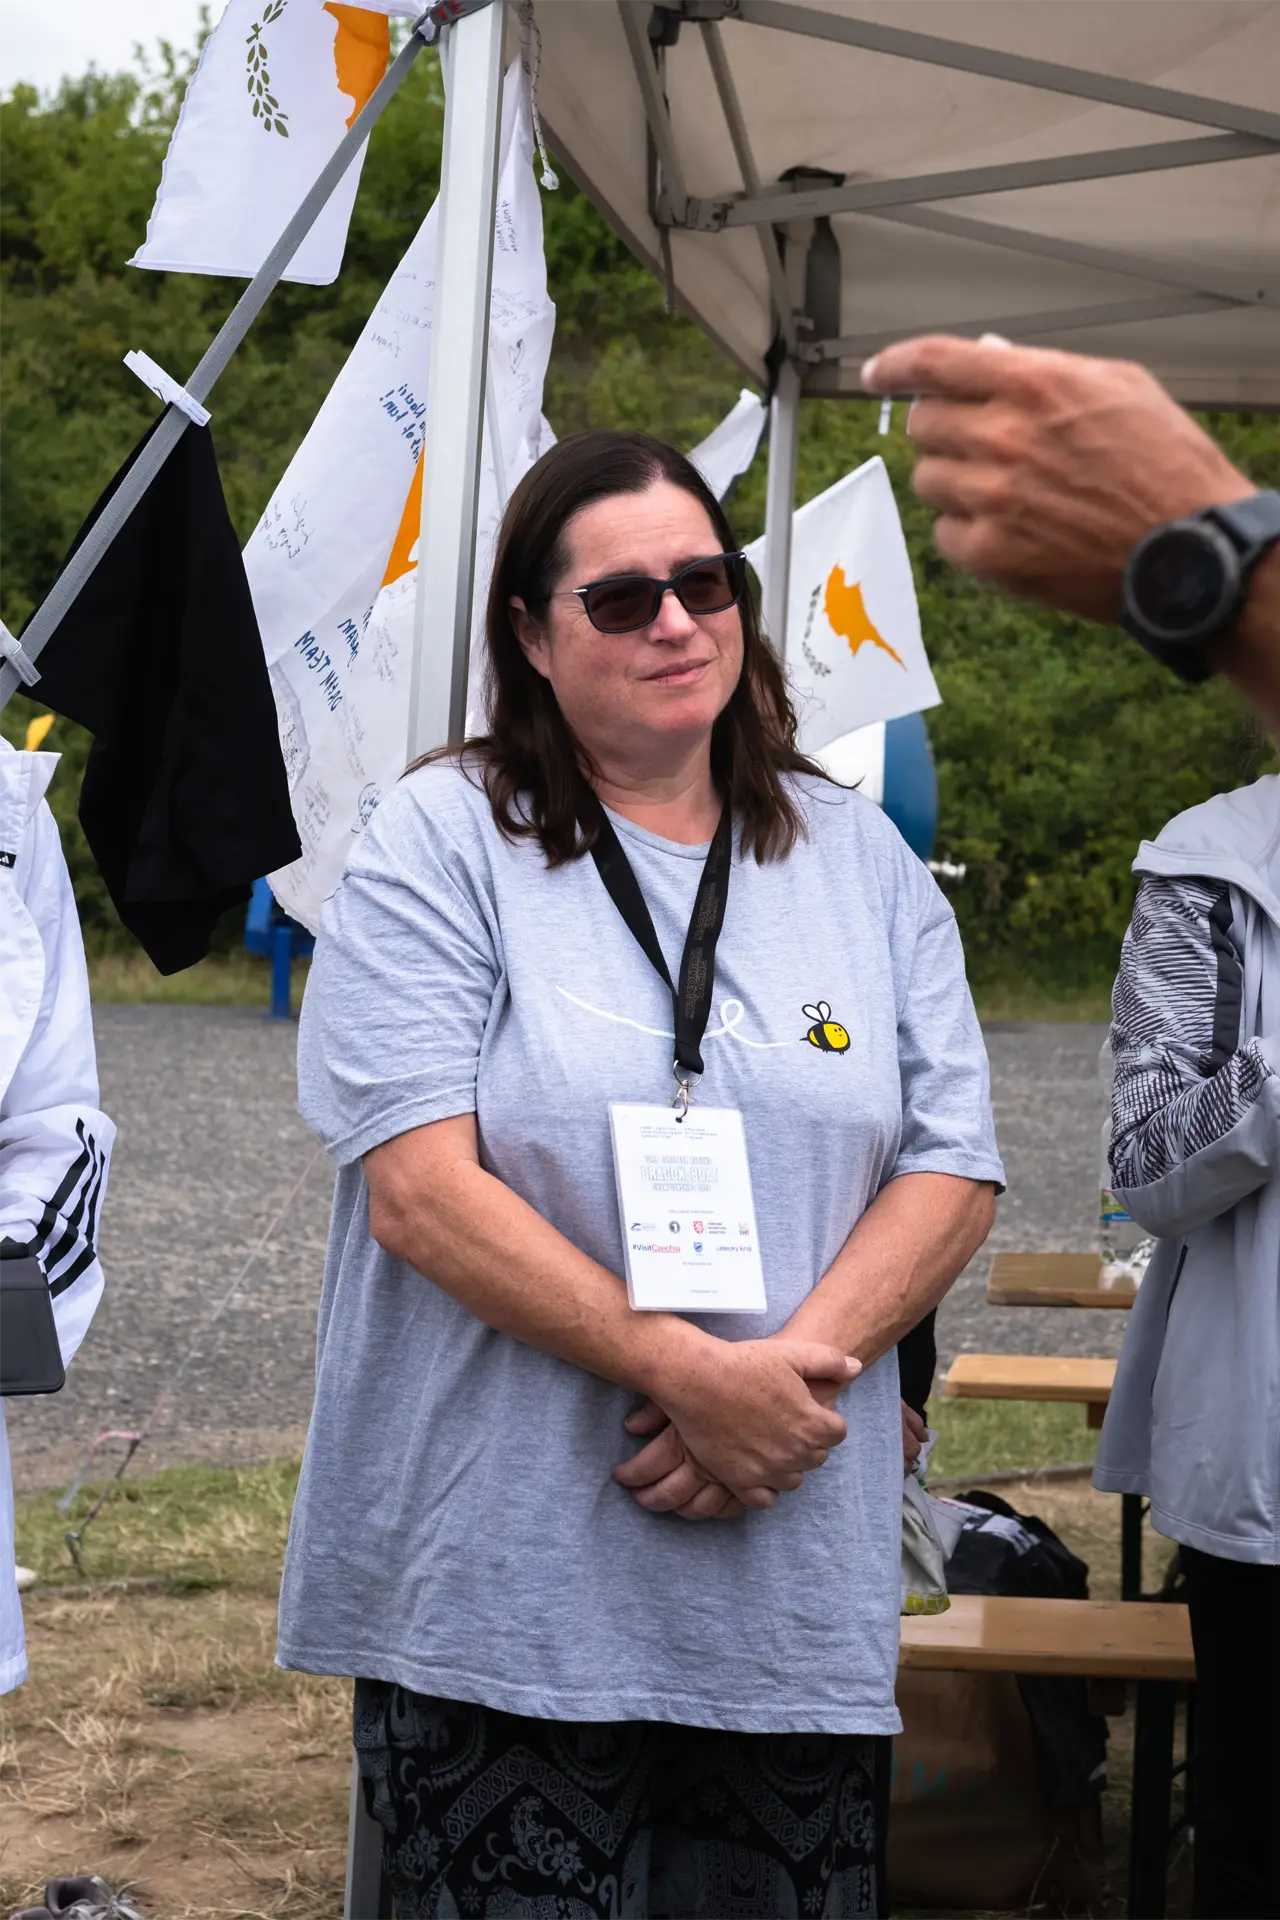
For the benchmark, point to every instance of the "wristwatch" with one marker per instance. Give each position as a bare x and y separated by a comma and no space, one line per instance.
1185,582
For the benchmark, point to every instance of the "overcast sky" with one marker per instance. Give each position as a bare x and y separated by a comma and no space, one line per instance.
41,40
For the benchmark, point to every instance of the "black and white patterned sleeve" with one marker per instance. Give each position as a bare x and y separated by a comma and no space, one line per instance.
1182,1081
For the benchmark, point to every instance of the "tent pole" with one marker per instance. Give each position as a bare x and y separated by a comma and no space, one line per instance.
452,448
780,497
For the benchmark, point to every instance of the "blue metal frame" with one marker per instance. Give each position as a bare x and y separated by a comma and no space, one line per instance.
269,931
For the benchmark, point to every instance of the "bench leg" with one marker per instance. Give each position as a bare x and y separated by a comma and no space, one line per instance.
368,1896
1131,1546
1152,1798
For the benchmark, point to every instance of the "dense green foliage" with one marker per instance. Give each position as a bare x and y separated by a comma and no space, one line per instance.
1059,746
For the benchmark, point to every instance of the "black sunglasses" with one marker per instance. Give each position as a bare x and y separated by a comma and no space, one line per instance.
631,600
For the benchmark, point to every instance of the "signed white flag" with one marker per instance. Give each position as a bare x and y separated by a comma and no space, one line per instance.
332,564
853,647
277,86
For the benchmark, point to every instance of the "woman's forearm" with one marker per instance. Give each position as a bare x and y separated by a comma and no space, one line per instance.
905,1252
746,1405
433,1205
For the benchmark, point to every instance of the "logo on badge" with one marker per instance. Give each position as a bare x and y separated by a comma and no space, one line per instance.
673,1226
697,1246
697,1226
744,1226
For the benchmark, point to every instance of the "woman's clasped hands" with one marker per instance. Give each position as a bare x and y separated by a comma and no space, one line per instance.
745,1424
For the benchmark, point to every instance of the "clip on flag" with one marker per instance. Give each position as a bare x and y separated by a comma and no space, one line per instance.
12,650
163,384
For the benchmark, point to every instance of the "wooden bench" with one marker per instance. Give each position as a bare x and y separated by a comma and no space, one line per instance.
1053,1280
1105,1640
1143,1641
1033,1376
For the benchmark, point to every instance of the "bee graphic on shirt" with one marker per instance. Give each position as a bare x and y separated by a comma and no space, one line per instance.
826,1034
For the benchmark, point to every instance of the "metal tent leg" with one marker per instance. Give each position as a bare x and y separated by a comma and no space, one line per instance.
451,451
780,499
368,1894
1152,1799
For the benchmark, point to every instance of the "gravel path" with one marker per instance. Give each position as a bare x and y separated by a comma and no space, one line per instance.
210,1146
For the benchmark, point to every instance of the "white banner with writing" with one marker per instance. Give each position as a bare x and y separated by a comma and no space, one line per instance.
332,564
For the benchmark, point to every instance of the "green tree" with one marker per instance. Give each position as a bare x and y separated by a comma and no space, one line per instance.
1059,745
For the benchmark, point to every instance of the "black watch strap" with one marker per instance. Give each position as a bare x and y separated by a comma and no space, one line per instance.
1237,536
1252,525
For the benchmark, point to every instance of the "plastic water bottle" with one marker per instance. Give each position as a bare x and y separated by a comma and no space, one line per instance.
1119,1234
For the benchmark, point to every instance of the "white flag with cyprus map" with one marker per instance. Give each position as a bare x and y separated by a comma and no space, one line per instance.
277,86
853,646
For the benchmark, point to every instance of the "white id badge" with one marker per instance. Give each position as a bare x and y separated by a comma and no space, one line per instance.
688,1217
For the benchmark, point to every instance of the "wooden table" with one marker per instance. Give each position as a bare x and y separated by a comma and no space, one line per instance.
1053,1280
1144,1641
1099,1639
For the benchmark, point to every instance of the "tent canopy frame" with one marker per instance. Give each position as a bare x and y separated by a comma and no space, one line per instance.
1241,132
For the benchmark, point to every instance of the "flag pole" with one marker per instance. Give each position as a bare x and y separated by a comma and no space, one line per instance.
453,446
780,498
174,422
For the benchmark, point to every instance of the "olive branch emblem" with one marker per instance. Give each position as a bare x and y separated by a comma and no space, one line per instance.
265,105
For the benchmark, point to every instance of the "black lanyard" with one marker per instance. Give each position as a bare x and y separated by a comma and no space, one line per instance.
692,1002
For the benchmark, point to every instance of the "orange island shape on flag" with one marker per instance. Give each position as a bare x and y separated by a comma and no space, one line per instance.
848,616
361,48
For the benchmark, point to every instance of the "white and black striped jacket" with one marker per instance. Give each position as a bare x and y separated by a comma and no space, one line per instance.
1182,1078
1194,1418
55,1143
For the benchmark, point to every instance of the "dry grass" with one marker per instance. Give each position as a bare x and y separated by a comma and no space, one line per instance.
155,1742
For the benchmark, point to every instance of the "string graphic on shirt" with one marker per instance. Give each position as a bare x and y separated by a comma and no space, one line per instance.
732,1014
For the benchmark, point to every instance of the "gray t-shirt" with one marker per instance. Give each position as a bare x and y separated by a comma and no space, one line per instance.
456,1528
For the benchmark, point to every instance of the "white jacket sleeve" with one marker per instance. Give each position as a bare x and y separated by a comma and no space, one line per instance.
55,1143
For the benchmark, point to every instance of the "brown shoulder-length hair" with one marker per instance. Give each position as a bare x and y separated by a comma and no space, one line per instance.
528,761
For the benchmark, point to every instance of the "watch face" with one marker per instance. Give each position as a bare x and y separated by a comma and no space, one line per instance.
1180,587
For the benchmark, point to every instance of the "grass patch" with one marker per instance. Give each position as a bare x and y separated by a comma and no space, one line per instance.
239,979
1027,999
220,1526
976,1437
235,979
156,1739
199,1526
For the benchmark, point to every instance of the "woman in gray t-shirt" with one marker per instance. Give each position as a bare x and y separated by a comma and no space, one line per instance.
602,1674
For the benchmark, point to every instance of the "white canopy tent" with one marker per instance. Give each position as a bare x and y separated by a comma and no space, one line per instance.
814,180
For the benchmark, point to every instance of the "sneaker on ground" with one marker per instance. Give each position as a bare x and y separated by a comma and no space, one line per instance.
81,1896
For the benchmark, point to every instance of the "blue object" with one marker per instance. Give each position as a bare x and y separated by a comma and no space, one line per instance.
268,930
911,783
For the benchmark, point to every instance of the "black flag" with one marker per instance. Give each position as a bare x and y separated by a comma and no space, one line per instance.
185,801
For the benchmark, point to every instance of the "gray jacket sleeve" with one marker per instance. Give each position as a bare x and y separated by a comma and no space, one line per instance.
1194,1113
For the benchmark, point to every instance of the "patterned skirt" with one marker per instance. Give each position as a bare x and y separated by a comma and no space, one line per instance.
488,1813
